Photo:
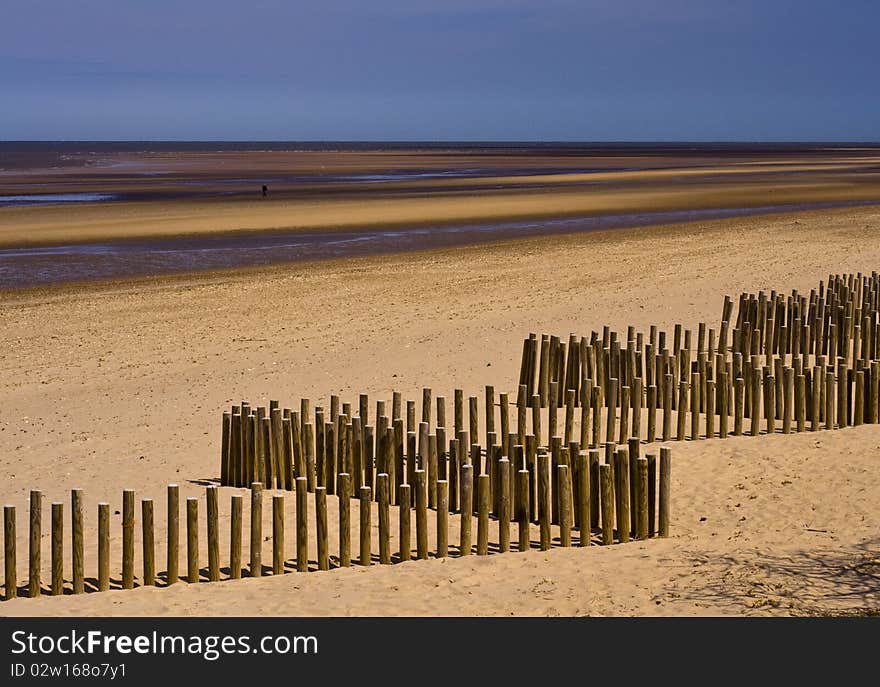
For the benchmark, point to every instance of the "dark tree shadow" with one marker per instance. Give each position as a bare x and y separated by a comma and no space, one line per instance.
830,582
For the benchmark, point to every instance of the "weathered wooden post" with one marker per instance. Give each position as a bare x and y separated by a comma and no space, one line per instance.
76,530
36,536
148,542
172,551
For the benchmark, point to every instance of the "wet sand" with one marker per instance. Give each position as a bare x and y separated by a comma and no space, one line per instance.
121,385
185,210
83,262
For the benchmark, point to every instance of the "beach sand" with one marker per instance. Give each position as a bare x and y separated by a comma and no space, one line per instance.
121,385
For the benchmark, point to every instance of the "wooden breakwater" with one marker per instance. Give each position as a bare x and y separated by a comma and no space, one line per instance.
780,363
572,497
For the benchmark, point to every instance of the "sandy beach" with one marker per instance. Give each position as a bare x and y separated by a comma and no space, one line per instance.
121,384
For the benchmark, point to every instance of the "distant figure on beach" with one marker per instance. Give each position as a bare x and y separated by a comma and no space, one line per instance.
265,190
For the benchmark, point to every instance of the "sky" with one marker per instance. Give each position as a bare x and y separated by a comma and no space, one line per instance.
563,70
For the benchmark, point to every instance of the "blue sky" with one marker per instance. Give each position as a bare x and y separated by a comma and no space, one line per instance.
442,70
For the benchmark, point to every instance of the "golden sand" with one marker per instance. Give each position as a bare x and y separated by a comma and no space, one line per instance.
121,385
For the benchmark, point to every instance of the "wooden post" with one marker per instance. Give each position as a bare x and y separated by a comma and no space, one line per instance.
235,446
594,487
522,509
285,460
253,432
490,414
582,475
57,548
256,563
800,402
302,524
607,500
564,482
76,530
842,394
668,396
366,524
555,460
260,447
504,506
859,400
709,404
286,457
331,449
421,498
632,458
277,534
536,418
724,410
544,507
404,499
321,528
235,537
9,537
192,540
383,486
621,475
344,487
829,398
127,539
482,514
172,551
642,499
103,547
874,411
458,411
755,410
652,494
787,399
738,405
467,508
522,413
586,403
625,404
432,470
637,405
611,417
665,488
357,449
682,409
309,447
504,402
213,513
816,398
426,405
474,423
770,403
148,542
442,519
36,536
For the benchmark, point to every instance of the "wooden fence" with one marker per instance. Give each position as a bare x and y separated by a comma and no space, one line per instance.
783,364
564,497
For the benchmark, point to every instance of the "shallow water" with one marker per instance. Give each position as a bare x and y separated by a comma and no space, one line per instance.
54,198
23,267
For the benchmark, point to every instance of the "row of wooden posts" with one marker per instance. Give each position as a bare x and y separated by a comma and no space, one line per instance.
837,321
720,398
793,363
576,494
